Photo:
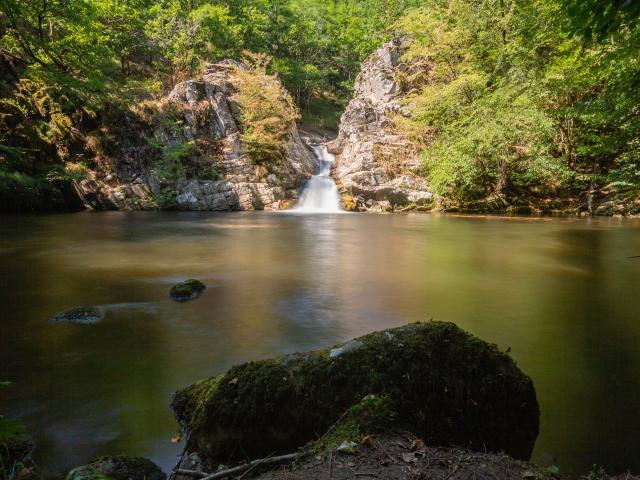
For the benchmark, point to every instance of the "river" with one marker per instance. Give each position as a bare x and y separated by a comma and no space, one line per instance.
562,293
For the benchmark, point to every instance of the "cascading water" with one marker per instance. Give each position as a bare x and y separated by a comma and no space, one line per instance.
320,194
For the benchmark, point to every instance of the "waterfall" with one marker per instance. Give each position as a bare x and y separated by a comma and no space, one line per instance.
320,194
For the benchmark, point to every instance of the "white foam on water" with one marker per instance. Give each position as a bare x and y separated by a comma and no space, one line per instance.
320,194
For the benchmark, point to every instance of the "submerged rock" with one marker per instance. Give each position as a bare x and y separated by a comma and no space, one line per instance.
119,467
442,384
82,315
187,290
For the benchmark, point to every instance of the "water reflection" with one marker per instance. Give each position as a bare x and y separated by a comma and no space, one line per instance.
560,293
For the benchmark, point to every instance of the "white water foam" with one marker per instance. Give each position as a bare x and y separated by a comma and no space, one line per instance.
320,194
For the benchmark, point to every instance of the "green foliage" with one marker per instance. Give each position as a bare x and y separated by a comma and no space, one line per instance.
169,170
507,101
539,94
266,111
171,167
597,472
71,172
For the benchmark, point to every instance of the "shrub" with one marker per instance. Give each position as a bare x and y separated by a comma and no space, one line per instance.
266,110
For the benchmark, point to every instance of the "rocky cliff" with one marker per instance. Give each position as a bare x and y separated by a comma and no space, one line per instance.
376,167
187,151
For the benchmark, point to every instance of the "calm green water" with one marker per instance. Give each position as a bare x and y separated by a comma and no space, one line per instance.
562,293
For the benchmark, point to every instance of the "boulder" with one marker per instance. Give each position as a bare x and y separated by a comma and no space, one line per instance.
187,290
443,385
82,315
119,467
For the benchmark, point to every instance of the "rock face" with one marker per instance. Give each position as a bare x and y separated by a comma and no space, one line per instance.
190,155
442,384
376,165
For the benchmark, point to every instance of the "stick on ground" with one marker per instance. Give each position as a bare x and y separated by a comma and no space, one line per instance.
240,468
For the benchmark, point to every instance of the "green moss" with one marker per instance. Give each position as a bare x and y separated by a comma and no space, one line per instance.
373,414
444,384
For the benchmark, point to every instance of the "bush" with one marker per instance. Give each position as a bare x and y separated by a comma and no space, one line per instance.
267,110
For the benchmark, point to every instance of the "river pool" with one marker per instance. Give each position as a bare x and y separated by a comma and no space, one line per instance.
564,294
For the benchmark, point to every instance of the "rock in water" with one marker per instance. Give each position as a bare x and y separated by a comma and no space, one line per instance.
83,315
187,290
119,467
445,385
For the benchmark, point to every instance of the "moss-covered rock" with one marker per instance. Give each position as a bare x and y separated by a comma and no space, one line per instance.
119,467
441,383
83,315
187,290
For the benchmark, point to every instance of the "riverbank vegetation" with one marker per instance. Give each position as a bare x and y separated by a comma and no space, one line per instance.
512,97
509,96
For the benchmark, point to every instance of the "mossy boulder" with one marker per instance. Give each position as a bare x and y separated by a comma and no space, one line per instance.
442,384
187,290
82,315
119,467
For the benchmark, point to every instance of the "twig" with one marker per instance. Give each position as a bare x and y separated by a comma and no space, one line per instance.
189,473
450,473
240,468
184,451
331,465
254,466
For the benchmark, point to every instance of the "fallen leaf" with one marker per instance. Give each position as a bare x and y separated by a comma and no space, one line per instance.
367,440
347,447
24,472
176,438
409,457
417,445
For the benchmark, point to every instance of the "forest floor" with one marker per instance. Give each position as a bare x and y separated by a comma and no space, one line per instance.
403,457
